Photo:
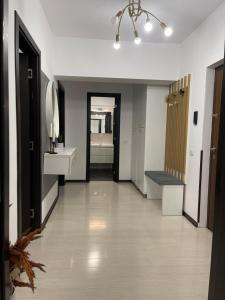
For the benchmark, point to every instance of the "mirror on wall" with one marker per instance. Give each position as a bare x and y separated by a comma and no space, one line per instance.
49,108
56,112
52,110
101,122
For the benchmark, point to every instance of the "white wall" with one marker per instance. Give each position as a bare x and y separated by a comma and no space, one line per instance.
138,136
203,48
34,18
76,123
156,114
98,58
149,132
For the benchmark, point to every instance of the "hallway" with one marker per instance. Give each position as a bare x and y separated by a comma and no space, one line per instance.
104,241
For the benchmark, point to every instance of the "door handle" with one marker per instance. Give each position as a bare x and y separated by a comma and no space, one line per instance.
31,146
213,149
215,116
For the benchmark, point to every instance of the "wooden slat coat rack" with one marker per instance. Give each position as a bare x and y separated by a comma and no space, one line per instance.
177,127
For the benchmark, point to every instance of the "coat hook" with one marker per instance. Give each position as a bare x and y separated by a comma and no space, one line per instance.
181,92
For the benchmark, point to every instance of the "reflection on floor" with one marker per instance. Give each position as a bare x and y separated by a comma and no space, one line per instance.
101,172
104,241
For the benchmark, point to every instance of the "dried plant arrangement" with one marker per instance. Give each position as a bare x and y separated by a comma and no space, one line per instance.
20,261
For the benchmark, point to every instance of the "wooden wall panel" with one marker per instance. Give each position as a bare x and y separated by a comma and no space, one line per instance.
177,127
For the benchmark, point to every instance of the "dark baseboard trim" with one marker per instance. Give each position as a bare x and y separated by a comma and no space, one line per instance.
200,186
44,223
62,180
143,195
85,181
192,221
125,181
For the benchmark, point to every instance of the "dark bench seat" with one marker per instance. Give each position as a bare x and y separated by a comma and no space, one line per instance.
162,185
163,178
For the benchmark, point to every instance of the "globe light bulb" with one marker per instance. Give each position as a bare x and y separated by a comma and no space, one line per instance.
168,31
116,45
117,42
137,39
148,26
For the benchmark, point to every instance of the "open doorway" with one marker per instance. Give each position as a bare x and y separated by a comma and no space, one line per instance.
28,69
214,145
103,136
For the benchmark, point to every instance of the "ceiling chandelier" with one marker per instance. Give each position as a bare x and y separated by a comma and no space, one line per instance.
135,11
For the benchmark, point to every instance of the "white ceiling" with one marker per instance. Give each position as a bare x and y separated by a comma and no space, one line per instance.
92,18
114,80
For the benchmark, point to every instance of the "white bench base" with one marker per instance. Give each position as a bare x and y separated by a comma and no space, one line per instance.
172,200
172,197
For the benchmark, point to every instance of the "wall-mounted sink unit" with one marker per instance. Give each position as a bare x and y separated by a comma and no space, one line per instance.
60,163
102,153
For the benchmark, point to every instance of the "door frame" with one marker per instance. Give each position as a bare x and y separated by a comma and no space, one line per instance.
117,97
4,154
21,30
61,100
217,275
219,68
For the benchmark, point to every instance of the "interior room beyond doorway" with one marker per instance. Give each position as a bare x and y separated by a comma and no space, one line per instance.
102,146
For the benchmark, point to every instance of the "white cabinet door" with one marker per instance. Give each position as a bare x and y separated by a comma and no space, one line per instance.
139,124
134,156
140,158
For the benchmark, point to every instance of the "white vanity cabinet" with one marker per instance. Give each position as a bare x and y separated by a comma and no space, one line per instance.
102,154
60,163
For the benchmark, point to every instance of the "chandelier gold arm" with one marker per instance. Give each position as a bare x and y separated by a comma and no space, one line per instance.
135,11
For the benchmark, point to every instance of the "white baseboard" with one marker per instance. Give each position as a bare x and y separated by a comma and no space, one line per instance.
49,201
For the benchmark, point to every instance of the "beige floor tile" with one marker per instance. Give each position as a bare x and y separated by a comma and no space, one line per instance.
104,241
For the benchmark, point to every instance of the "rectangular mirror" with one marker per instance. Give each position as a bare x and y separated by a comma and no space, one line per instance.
101,122
96,126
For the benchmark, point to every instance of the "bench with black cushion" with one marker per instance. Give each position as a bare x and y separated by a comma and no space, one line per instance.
162,185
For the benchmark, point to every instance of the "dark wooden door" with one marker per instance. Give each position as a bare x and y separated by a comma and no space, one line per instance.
26,145
4,153
214,145
29,161
61,100
116,138
217,275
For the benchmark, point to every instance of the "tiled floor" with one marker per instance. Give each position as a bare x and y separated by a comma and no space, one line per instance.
101,174
104,241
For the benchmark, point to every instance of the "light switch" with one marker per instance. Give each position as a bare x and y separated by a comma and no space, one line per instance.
192,153
195,119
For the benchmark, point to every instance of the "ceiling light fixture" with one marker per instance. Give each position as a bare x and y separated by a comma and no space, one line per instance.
137,39
148,25
117,42
135,11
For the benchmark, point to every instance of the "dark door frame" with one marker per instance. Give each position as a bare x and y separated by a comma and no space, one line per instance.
217,276
4,154
61,99
213,163
21,31
116,135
